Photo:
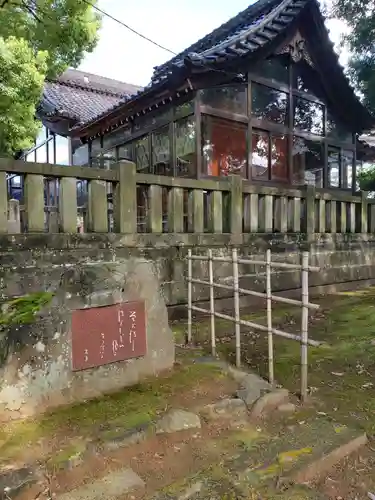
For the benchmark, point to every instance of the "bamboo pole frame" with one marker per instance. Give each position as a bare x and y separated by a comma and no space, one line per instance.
303,338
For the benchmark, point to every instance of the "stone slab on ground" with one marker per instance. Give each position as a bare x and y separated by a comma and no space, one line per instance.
229,408
13,480
252,387
177,420
298,453
269,402
109,487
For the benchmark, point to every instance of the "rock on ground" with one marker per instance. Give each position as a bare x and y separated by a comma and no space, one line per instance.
109,487
231,408
252,387
177,420
269,402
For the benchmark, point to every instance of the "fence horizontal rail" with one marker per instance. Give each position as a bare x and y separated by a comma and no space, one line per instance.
280,265
159,204
256,326
276,298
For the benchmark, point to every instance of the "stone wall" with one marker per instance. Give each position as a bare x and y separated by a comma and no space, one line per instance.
86,270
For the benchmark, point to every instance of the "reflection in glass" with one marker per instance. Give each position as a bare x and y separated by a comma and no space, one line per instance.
307,162
268,104
279,158
336,130
230,98
260,155
306,79
81,155
333,167
274,68
142,154
186,107
347,169
109,159
224,147
161,155
308,116
186,164
125,152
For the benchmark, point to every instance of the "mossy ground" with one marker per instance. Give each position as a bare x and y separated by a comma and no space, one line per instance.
340,371
131,407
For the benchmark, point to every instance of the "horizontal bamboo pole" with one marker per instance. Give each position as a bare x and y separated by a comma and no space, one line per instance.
276,265
276,298
256,326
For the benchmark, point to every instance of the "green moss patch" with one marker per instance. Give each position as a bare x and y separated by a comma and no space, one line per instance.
131,407
340,371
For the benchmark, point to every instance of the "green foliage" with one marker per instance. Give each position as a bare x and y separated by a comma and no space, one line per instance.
22,75
359,15
38,39
366,179
22,310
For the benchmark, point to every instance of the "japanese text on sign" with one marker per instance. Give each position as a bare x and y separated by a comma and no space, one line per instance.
103,335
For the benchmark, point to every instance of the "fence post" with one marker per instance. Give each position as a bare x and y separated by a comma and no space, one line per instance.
190,295
236,207
236,306
212,302
363,228
34,202
310,211
14,217
271,375
98,207
125,199
68,205
304,323
4,203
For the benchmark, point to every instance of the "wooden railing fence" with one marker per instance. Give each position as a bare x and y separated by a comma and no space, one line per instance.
124,201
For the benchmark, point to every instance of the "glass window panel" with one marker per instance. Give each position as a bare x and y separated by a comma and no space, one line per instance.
260,155
308,161
306,79
279,158
161,153
116,137
186,107
62,150
125,152
333,167
186,158
81,155
308,116
41,153
51,150
142,154
31,157
347,169
224,147
161,150
269,104
337,131
274,68
231,98
109,159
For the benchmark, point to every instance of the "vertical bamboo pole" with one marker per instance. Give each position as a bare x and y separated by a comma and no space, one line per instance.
236,306
190,296
212,302
271,375
304,323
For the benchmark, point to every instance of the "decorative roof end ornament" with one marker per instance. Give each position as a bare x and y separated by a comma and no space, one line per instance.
297,50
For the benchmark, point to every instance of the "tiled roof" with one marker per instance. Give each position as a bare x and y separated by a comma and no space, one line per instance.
81,97
261,26
250,30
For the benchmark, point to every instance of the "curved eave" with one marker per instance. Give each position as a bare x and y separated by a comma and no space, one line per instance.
336,84
145,101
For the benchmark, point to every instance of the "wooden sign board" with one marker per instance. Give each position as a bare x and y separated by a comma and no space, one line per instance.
103,335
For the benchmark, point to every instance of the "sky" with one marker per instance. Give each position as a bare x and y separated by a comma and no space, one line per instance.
122,55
